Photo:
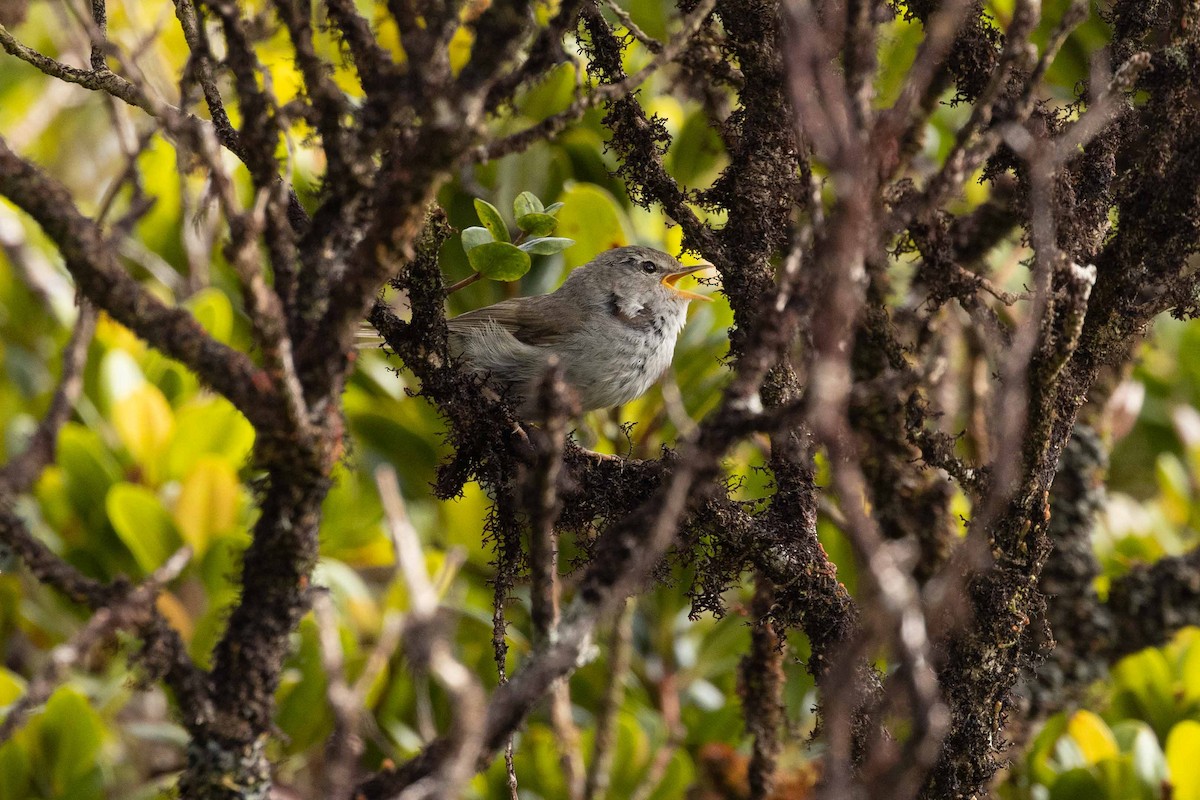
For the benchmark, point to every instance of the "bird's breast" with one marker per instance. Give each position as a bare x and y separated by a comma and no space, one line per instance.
618,363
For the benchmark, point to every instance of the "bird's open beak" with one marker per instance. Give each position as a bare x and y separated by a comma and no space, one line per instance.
671,279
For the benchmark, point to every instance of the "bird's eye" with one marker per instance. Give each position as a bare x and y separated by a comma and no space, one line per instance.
648,267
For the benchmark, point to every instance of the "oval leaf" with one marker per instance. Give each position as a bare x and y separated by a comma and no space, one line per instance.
88,469
1146,757
475,236
1183,744
12,686
145,424
1077,784
214,312
499,261
594,219
1094,738
208,504
537,224
489,215
214,427
526,203
142,524
553,208
15,768
72,736
547,245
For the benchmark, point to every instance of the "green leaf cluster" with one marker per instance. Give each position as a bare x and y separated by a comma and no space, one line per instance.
1143,746
56,753
493,253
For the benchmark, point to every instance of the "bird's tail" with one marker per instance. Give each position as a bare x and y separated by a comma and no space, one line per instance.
366,337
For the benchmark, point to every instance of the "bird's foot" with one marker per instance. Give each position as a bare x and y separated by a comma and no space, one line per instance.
600,457
521,440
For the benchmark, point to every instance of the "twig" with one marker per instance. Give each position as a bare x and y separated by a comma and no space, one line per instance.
19,474
543,561
669,706
344,745
464,283
599,773
130,611
555,123
760,677
466,738
102,79
648,41
267,313
1007,298
99,275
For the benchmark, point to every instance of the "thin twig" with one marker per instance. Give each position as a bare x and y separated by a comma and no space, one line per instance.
544,591
465,740
648,41
132,611
464,283
95,265
670,707
555,123
761,681
344,745
19,474
599,774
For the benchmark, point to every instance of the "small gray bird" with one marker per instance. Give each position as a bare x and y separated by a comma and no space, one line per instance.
612,325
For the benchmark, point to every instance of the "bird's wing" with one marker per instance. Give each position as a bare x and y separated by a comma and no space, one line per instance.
536,321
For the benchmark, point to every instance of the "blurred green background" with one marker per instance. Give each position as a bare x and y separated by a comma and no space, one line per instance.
152,461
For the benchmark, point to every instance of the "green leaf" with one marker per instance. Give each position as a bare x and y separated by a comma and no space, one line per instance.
697,152
142,524
537,224
679,776
1183,744
475,236
540,762
547,245
1145,689
1095,740
145,425
350,516
71,737
214,312
499,261
1174,484
1042,749
209,502
527,203
302,713
88,469
1146,756
214,427
1189,665
12,686
553,208
1077,784
14,769
594,219
489,215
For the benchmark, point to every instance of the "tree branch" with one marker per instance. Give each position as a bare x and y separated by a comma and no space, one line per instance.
94,265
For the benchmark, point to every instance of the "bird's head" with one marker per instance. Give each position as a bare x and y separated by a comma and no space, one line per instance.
642,275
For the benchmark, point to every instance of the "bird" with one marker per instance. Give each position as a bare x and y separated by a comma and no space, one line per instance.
612,327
